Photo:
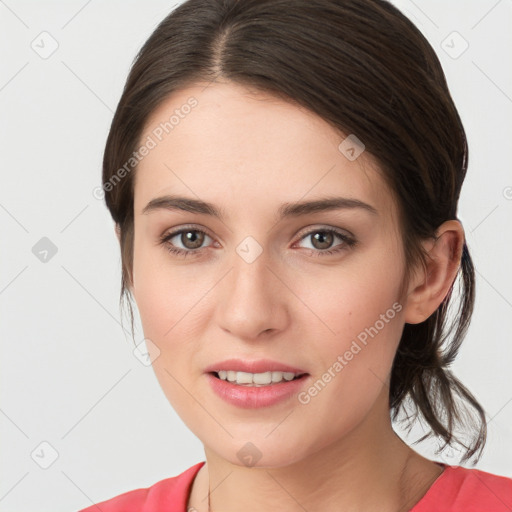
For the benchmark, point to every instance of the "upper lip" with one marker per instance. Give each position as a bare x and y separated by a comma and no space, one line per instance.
259,366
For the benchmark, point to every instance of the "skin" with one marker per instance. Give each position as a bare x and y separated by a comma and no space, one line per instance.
248,153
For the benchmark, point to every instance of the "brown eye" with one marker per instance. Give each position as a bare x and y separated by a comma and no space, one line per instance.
322,239
192,239
185,241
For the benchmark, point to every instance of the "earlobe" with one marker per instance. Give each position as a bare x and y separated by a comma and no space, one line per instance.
430,286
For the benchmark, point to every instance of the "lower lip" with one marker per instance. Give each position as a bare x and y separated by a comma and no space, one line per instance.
253,397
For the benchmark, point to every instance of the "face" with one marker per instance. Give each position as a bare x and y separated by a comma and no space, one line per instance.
316,289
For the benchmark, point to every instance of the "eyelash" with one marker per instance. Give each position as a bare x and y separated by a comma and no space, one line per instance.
347,241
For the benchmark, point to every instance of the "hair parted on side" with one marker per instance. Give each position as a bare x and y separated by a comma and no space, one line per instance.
363,67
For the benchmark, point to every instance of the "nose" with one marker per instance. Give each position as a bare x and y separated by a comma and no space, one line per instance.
252,300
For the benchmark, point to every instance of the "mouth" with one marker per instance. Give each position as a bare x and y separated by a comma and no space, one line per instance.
270,378
273,382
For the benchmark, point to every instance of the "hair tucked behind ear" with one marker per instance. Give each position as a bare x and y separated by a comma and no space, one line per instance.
367,70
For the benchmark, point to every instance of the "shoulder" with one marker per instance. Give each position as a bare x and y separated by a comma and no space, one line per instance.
460,489
169,495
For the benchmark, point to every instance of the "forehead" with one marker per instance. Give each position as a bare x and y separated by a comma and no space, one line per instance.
223,142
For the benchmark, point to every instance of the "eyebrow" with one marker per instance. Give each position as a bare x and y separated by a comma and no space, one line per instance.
188,204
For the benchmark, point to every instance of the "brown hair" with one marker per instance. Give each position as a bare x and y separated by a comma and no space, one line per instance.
362,66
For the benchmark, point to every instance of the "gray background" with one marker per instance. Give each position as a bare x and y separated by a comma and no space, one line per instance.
68,373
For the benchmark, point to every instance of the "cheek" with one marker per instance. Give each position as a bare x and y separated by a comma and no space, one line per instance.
164,294
171,304
354,362
357,328
350,302
175,303
173,315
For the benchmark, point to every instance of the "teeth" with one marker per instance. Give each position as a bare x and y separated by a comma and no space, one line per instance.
255,379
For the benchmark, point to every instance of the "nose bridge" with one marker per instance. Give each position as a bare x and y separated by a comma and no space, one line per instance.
250,276
250,302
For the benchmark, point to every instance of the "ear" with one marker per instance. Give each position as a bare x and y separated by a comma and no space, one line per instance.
430,285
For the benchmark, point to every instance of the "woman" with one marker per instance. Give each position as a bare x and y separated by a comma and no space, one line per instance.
284,178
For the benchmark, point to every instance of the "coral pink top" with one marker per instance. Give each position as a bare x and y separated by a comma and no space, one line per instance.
457,489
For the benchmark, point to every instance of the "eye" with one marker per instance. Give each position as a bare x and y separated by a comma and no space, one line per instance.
191,238
322,240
